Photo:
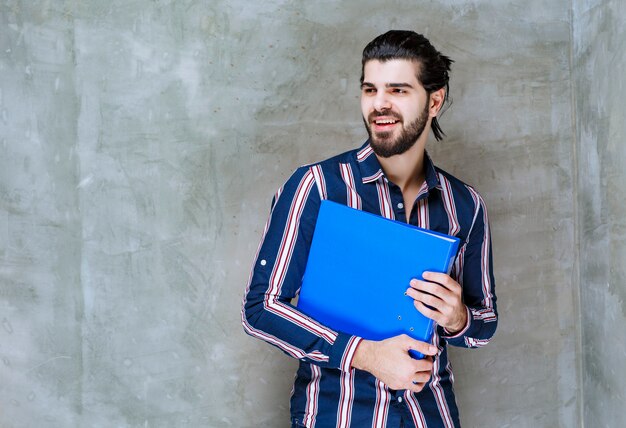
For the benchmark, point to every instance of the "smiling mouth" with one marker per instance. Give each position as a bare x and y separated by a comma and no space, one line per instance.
383,125
385,121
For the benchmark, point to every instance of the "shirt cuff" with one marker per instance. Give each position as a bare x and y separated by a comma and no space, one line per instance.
348,354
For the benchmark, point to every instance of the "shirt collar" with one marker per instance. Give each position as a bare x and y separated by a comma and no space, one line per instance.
371,170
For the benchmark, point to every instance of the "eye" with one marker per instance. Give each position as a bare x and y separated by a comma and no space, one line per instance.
398,91
369,90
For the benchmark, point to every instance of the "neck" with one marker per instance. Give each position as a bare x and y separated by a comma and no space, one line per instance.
406,170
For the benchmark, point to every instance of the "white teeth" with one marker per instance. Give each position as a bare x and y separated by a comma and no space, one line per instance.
386,121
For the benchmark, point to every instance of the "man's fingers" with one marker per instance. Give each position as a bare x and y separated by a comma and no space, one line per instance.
429,300
417,387
442,279
422,347
418,289
420,379
441,290
437,277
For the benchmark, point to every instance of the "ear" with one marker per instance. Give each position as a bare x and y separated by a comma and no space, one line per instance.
435,102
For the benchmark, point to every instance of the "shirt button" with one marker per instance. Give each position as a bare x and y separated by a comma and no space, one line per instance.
399,399
400,205
263,262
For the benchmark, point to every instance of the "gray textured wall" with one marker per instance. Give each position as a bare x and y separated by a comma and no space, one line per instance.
599,62
141,142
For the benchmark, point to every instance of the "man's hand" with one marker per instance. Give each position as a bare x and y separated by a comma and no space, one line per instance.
444,296
390,362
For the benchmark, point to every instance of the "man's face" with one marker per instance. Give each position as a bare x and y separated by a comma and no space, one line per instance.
394,106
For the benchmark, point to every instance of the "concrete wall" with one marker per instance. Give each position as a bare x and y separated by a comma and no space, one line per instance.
141,142
599,62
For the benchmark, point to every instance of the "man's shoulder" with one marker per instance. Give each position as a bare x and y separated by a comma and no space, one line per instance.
451,179
349,156
459,188
326,169
332,166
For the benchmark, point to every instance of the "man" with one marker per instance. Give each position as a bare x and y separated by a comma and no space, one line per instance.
344,380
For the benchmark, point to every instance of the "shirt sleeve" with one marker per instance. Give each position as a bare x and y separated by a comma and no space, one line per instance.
268,312
475,274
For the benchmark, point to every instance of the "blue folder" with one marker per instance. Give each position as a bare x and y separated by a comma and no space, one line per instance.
359,267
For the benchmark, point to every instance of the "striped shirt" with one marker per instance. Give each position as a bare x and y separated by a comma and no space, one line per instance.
327,391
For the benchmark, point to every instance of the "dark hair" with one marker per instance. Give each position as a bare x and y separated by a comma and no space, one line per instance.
433,68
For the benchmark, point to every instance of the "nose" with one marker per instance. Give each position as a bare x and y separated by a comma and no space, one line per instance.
381,102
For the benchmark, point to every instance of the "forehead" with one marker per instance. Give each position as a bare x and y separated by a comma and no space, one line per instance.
392,71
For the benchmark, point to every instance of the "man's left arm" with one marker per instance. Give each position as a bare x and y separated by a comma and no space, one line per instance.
466,308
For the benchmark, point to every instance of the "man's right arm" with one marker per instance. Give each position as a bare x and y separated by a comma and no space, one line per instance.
276,278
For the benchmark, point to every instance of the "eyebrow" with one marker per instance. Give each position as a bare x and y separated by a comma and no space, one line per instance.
388,85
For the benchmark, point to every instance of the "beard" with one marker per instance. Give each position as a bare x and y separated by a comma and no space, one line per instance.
384,145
